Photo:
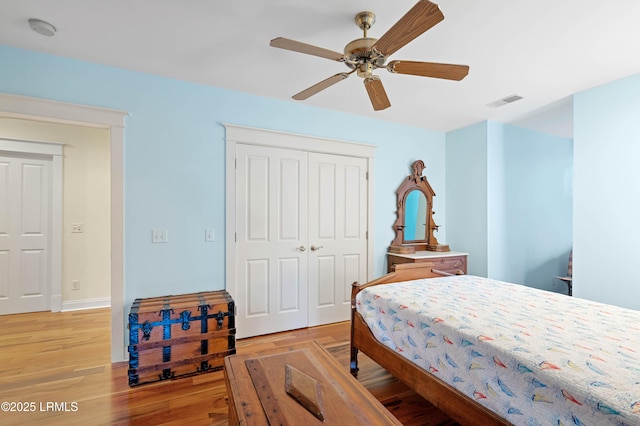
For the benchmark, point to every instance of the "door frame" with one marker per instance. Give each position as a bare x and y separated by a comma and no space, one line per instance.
235,134
53,152
46,110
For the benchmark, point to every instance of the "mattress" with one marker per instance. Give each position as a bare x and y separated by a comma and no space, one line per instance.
533,357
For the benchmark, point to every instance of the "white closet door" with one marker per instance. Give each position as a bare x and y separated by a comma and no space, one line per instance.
271,241
24,223
337,234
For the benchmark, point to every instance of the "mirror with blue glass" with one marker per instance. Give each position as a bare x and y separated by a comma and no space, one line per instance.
414,226
415,216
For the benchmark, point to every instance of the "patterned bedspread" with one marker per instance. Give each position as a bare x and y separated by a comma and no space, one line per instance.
534,357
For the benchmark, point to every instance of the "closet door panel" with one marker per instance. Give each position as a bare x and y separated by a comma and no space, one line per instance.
256,289
337,230
289,204
324,181
271,240
289,275
353,223
352,265
257,201
326,272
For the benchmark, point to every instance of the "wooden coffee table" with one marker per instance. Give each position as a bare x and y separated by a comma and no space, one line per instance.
295,385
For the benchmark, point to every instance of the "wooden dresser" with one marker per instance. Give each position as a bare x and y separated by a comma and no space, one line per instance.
450,262
257,385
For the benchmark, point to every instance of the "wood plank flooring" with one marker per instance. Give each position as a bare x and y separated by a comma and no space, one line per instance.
55,367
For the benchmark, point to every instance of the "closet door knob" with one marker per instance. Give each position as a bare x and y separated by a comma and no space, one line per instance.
301,248
314,248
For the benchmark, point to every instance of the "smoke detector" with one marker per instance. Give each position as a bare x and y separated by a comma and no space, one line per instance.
42,27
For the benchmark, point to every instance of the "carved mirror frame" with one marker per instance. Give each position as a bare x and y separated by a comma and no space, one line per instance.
415,182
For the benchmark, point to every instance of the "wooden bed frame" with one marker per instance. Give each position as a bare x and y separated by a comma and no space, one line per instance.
458,406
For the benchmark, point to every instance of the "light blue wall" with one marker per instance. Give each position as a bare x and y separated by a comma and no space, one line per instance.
497,198
175,160
509,202
607,193
538,202
467,195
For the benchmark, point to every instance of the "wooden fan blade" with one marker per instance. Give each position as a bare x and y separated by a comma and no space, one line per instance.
296,46
376,92
429,69
416,21
306,93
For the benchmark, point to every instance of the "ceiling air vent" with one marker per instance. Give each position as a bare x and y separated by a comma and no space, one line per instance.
504,101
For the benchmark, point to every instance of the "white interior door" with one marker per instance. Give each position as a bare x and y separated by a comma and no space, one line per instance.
271,240
285,193
337,234
24,222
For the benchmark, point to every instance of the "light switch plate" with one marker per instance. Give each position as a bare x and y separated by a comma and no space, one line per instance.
159,236
209,235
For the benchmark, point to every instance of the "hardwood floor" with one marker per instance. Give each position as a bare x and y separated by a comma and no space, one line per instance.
55,367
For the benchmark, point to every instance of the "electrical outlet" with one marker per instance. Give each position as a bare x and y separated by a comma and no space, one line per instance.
75,285
159,236
209,235
77,228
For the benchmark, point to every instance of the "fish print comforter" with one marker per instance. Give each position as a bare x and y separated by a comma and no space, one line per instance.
533,357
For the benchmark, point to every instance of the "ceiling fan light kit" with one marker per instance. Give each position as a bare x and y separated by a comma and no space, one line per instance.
364,55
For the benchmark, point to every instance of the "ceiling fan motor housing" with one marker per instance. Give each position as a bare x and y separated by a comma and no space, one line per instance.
359,54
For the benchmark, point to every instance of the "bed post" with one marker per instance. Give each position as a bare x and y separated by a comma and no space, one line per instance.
353,365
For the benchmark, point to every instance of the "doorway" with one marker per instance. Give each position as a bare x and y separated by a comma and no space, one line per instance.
58,112
298,224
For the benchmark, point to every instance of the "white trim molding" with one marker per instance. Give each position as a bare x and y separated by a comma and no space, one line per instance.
90,116
32,147
235,134
76,305
274,138
59,112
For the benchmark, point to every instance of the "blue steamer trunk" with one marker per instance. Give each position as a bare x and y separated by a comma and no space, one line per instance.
179,336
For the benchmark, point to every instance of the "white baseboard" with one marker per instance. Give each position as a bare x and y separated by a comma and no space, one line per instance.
75,305
56,303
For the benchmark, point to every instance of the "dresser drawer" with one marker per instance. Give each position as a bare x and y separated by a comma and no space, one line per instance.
453,265
450,264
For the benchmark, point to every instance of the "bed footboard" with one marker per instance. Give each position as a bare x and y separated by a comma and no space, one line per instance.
458,406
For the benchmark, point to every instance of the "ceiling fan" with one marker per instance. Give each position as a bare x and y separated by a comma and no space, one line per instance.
364,55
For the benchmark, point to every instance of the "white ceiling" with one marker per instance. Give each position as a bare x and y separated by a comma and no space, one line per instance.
543,50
